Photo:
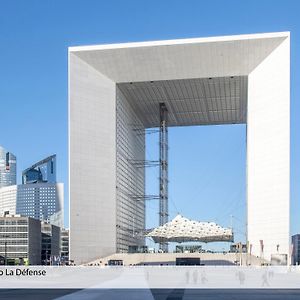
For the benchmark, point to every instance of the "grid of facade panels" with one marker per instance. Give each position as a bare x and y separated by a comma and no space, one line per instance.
130,135
40,201
64,244
15,234
20,238
8,200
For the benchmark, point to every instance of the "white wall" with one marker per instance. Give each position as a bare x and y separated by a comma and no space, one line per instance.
268,153
8,199
92,162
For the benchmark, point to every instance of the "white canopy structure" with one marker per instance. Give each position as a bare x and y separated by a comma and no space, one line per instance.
181,229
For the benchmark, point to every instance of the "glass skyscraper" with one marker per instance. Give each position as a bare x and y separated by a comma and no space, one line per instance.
43,171
42,201
39,197
8,168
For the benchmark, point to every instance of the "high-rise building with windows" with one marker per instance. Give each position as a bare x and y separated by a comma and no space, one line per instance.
39,197
8,167
41,201
41,172
8,200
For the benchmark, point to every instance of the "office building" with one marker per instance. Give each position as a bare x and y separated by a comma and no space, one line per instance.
50,243
8,168
115,93
20,240
42,201
43,171
8,200
40,197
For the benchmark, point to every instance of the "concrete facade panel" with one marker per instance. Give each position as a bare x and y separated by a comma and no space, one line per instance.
268,154
92,162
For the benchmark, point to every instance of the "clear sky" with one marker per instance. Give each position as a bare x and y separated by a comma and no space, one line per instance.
207,164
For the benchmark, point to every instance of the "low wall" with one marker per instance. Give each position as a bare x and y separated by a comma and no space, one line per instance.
170,258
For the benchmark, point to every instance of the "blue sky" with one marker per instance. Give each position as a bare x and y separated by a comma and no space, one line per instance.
207,171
